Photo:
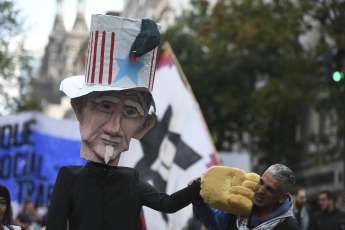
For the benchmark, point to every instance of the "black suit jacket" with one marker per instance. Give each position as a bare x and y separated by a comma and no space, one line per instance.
97,196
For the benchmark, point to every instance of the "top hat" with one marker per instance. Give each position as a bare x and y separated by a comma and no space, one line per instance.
109,65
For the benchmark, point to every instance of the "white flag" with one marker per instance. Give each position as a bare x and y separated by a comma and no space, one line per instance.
178,148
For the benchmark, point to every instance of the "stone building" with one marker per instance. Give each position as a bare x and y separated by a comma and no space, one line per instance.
162,11
60,53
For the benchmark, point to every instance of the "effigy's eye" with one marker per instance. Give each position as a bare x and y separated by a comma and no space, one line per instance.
106,106
131,112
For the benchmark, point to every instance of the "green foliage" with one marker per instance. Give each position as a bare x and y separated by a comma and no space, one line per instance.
250,72
15,70
330,16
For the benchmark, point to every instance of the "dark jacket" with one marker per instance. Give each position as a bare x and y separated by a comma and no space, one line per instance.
96,196
214,219
289,223
328,220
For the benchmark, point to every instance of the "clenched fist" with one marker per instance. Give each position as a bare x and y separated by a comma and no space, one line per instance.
229,189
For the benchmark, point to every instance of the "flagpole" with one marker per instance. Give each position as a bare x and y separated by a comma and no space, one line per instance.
184,78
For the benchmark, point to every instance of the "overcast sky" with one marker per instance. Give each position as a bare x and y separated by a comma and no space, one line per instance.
39,16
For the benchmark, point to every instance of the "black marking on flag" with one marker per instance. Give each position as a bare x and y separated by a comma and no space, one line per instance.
151,142
185,156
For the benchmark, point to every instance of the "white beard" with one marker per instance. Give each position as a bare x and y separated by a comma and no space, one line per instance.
109,152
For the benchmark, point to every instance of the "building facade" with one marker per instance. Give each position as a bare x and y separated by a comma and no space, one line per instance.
60,53
163,12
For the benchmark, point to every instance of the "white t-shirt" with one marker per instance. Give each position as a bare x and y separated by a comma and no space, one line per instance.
14,227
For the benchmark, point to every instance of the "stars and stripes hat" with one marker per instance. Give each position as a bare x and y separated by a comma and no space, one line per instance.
110,63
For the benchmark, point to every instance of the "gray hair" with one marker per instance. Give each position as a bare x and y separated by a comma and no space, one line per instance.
284,175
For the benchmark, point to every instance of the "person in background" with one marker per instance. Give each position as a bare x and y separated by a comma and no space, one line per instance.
329,217
6,214
300,211
28,216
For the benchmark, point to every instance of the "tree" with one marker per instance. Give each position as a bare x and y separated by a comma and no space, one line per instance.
250,73
15,70
329,17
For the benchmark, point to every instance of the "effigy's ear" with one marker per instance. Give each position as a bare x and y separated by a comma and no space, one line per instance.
147,125
78,104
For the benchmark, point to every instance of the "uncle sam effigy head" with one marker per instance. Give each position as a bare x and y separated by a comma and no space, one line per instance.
112,100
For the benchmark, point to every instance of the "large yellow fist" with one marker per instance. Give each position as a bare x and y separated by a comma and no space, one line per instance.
229,189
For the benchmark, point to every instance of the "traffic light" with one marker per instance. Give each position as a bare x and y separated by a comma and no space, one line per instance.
338,62
337,76
332,66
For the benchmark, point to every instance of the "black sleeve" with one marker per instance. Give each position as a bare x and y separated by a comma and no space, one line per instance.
156,200
58,210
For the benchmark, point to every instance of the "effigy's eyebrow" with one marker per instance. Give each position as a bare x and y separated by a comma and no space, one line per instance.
107,98
135,105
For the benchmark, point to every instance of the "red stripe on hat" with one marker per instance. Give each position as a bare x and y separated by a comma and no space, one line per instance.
154,73
111,58
153,55
87,59
94,58
91,46
102,59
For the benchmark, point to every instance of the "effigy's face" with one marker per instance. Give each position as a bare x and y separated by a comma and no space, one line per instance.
108,123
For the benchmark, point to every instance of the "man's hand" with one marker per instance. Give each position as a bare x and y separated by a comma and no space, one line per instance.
190,182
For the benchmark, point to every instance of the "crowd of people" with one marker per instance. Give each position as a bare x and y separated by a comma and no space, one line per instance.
327,217
27,219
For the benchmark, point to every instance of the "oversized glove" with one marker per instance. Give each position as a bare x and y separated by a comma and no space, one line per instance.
148,39
229,189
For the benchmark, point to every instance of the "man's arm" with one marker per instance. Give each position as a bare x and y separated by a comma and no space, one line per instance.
58,210
213,219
